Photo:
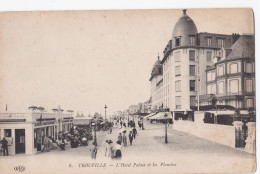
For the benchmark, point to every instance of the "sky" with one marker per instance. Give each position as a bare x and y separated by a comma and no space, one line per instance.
82,60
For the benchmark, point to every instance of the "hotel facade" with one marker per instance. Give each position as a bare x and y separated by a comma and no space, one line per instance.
188,57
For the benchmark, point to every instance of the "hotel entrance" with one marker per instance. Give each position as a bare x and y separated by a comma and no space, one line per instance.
19,141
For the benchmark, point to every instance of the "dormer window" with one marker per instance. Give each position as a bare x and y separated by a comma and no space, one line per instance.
221,42
209,41
192,40
177,42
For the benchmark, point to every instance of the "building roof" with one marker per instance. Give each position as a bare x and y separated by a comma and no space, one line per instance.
184,27
157,68
244,47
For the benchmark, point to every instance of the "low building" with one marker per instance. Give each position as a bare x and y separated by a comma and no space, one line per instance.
24,131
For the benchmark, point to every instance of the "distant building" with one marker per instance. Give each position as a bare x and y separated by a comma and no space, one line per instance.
156,80
133,109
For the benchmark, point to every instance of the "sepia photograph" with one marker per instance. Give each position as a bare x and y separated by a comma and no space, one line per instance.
128,91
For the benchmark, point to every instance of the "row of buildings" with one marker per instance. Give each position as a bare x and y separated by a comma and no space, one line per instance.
201,69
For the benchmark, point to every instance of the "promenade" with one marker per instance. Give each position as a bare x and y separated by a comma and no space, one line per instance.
184,153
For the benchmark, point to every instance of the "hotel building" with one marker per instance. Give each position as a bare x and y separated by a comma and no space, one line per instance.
186,58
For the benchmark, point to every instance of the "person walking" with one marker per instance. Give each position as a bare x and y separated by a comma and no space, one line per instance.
109,149
117,150
134,132
131,136
124,138
4,143
93,150
120,138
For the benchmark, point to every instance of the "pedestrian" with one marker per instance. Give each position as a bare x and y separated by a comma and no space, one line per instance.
120,138
117,150
45,143
134,132
139,124
61,143
124,125
110,130
4,143
109,149
131,136
93,150
124,138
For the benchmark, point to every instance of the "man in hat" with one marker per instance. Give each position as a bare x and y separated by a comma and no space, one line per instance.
4,143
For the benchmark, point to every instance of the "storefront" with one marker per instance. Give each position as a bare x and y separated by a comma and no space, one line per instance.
25,131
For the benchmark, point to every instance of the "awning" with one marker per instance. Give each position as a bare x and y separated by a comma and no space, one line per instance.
147,116
81,121
160,115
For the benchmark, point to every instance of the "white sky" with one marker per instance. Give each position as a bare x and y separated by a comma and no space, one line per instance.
82,60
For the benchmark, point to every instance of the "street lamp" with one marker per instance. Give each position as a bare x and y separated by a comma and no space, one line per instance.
165,120
105,112
95,135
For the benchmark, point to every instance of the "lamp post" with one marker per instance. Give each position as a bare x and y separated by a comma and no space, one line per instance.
165,120
95,135
105,112
142,123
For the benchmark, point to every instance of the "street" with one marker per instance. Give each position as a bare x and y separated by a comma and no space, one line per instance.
184,153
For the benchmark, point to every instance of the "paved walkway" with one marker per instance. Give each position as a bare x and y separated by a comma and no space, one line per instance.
184,153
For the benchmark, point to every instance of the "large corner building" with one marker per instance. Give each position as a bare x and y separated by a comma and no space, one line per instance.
188,57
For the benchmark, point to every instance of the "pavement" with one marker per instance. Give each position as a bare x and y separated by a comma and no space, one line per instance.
184,153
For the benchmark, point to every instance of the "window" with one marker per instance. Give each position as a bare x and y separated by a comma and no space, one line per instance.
220,70
192,100
192,70
220,87
221,42
208,41
192,54
249,67
233,86
249,102
249,85
177,42
211,89
8,133
213,74
178,102
209,76
209,56
192,40
177,70
177,56
233,68
192,85
178,86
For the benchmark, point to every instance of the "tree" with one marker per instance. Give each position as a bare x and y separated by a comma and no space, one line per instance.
33,108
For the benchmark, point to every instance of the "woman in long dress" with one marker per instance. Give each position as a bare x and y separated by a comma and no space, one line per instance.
117,150
109,149
124,138
93,150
